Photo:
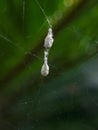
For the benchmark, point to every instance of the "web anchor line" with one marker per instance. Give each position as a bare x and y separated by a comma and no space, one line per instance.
43,12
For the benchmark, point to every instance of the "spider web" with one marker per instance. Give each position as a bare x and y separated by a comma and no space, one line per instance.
16,45
38,98
7,124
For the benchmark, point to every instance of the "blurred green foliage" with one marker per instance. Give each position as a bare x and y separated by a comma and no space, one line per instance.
68,97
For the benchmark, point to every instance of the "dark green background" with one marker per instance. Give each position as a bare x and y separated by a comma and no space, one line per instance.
67,99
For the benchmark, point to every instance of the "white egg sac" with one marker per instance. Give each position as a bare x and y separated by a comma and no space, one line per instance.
45,69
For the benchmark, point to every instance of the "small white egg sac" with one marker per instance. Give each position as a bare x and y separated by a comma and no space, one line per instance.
45,69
